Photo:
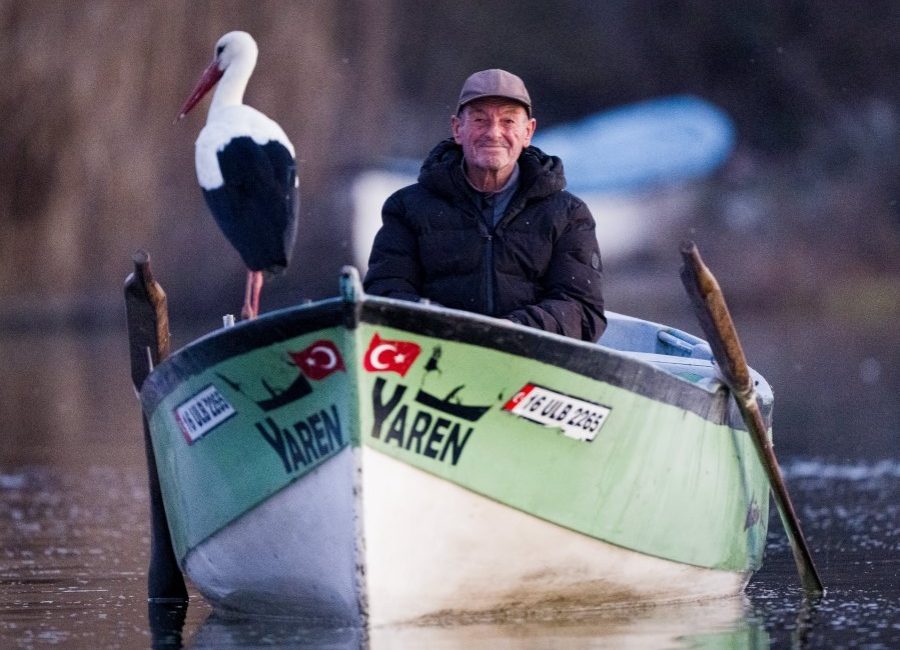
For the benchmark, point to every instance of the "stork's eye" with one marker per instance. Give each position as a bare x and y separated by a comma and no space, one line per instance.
219,50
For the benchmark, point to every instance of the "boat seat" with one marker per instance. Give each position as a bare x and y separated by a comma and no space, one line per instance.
628,334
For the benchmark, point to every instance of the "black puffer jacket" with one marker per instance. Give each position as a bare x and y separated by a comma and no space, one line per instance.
539,266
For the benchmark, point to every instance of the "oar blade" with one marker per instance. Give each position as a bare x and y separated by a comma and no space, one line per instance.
715,320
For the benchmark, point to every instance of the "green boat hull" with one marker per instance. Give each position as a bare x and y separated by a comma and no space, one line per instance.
637,450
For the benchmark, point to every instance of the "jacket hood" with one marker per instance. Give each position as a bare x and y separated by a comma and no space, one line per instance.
540,174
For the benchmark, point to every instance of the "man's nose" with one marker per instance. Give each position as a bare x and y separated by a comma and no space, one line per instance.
494,129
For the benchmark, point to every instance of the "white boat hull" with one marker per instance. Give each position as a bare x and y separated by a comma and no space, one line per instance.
496,562
476,559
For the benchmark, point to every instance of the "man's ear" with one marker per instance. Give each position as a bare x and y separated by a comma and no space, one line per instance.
532,127
454,127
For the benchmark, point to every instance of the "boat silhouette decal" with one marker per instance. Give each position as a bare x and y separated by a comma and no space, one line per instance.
465,411
316,361
451,404
297,389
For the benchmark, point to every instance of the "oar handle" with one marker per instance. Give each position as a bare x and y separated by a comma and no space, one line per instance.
712,312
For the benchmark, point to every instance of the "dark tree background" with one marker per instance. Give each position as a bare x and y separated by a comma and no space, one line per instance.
802,224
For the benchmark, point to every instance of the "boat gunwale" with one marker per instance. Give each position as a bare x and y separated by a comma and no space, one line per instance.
592,360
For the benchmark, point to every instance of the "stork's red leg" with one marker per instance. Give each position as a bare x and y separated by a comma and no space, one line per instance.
250,309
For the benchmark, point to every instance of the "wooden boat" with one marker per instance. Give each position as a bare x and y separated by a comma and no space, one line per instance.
361,458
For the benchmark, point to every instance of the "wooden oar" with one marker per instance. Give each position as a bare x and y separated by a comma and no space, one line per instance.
709,305
148,338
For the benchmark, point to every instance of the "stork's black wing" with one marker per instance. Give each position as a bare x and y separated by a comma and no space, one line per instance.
256,207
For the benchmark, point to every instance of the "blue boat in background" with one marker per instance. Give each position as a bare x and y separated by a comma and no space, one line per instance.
659,141
631,165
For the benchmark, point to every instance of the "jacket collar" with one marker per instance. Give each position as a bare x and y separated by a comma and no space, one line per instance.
441,173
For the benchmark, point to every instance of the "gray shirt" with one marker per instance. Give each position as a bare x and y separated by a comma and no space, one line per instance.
494,204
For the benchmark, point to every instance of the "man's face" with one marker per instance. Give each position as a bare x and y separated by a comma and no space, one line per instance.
492,133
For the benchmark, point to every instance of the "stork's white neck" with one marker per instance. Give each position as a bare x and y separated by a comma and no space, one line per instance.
231,87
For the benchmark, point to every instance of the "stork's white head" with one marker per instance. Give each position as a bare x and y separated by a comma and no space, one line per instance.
235,49
234,59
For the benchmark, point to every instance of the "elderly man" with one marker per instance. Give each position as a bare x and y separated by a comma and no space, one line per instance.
489,227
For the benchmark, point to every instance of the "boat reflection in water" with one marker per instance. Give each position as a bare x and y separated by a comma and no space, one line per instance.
714,624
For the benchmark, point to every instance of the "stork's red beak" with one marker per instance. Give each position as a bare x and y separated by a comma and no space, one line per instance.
208,79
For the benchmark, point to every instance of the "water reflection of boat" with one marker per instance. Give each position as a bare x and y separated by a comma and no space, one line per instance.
721,623
590,474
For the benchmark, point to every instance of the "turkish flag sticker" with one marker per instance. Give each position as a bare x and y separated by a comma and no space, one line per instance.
390,356
319,359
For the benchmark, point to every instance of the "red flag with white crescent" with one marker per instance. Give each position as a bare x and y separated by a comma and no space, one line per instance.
390,356
319,360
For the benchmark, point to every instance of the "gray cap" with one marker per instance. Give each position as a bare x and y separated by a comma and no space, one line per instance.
494,83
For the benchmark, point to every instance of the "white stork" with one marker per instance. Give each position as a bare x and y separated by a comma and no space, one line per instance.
246,167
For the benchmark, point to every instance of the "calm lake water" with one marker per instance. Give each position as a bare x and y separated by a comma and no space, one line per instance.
74,541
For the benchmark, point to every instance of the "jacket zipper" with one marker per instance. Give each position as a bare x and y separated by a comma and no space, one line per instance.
489,273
